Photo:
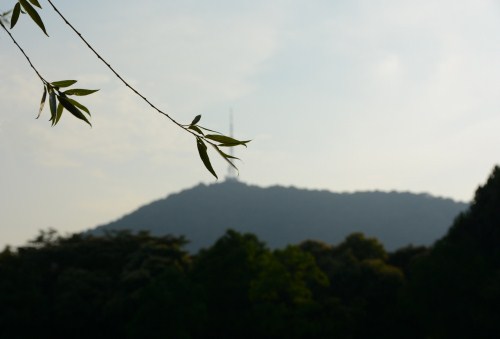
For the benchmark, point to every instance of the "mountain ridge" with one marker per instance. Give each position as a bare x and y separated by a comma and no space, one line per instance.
282,215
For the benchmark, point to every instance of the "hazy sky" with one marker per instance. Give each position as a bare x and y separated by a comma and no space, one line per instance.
338,95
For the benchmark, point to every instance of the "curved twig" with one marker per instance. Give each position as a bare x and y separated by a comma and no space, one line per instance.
115,72
25,55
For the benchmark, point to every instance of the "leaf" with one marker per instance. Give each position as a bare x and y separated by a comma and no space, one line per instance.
33,14
42,103
72,109
15,15
226,157
36,3
227,145
225,140
63,83
80,91
79,105
195,120
195,128
202,150
211,130
52,103
59,112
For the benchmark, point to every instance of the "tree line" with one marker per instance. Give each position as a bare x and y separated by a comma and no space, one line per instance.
135,285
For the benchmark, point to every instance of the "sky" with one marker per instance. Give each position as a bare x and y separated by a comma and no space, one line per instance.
338,95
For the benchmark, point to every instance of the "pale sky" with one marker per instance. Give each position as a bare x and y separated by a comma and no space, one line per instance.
337,95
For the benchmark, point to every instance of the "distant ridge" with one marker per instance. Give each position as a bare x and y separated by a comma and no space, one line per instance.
285,215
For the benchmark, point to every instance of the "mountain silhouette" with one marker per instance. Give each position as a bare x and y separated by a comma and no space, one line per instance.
286,215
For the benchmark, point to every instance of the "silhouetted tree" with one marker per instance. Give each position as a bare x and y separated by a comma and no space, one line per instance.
456,287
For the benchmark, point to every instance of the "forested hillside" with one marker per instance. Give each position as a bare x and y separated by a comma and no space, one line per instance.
126,285
280,216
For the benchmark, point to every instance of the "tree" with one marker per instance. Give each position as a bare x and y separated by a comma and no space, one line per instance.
455,288
363,292
63,99
225,271
119,285
284,298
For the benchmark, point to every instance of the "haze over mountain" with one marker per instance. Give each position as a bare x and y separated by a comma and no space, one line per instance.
286,215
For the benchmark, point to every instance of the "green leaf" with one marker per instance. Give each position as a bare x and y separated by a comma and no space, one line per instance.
33,14
52,103
60,109
226,157
63,83
15,15
79,105
80,91
210,130
72,109
225,140
195,120
196,129
36,3
42,103
227,145
202,150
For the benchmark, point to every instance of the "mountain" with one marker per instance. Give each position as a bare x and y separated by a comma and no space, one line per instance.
284,215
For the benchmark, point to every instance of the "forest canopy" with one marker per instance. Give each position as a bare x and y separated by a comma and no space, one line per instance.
129,285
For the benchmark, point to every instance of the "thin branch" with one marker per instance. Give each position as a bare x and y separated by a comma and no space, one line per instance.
201,139
116,73
22,51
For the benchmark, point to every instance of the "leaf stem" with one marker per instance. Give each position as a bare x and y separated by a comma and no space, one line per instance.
45,82
116,73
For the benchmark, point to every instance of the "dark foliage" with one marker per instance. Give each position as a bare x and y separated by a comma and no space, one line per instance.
134,285
456,287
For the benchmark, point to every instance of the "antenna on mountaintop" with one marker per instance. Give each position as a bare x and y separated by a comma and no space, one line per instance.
231,173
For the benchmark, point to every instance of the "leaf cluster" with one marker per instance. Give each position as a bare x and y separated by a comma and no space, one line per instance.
216,140
63,101
60,100
26,7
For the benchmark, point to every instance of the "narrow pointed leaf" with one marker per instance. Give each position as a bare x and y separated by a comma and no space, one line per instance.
42,103
63,83
72,109
35,3
52,103
196,129
15,15
59,112
79,105
80,91
195,120
210,130
225,140
202,150
33,14
227,157
227,145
